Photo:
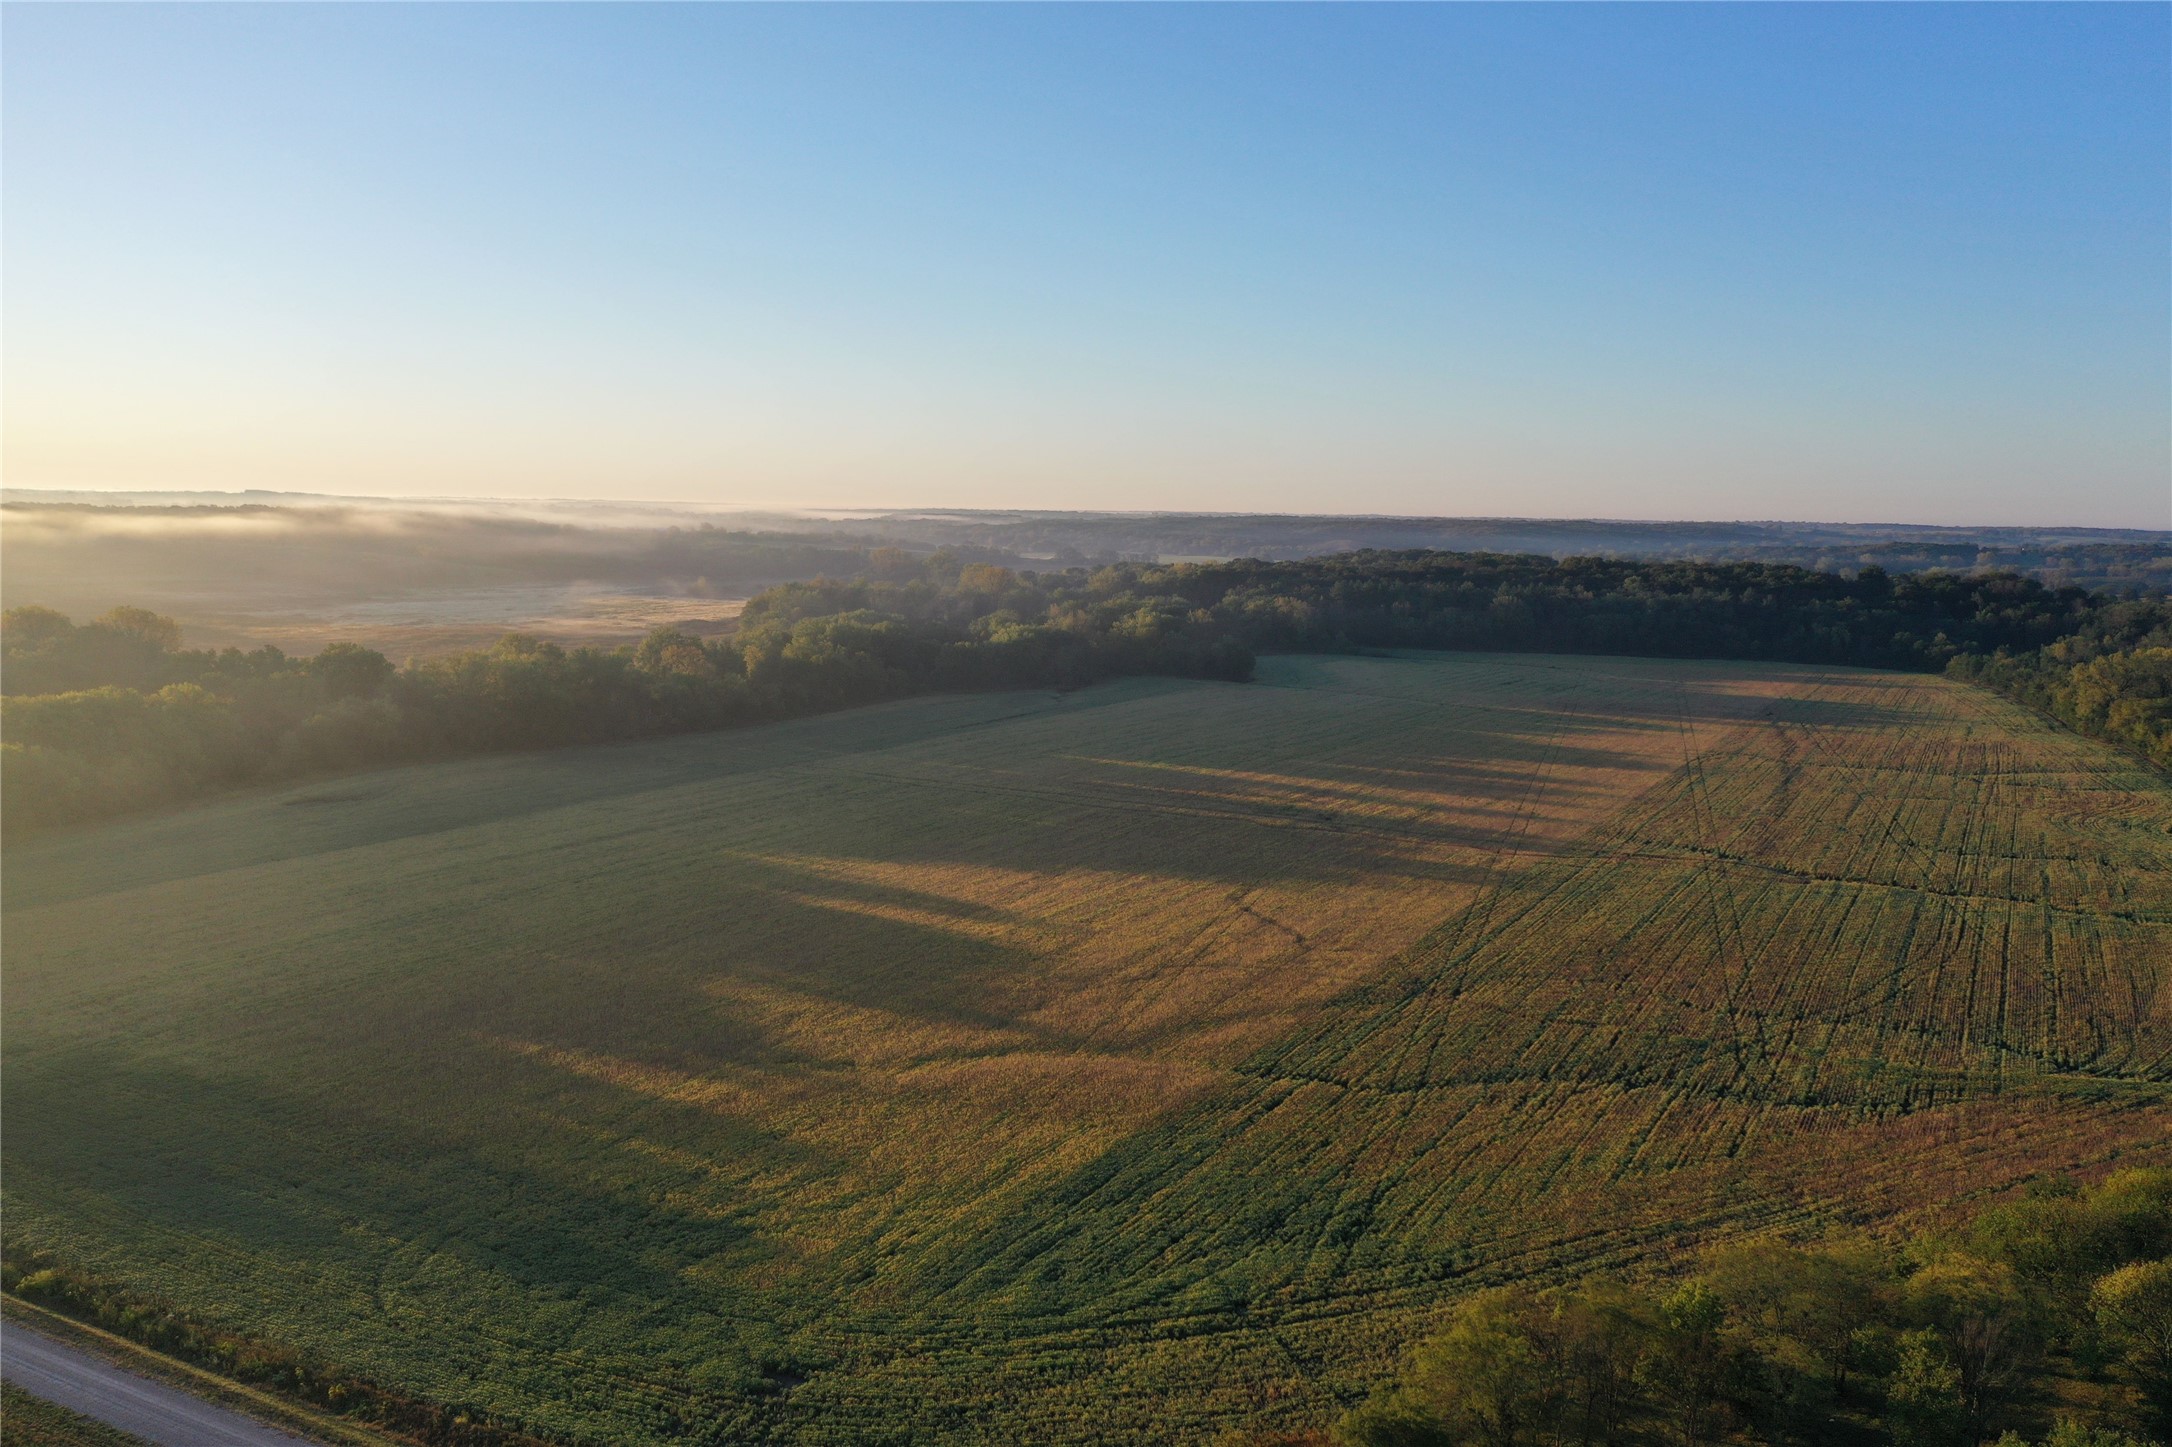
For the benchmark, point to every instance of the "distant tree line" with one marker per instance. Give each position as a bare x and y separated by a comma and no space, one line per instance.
1600,605
115,714
2050,1312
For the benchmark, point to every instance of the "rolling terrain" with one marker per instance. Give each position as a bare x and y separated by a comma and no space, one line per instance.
1112,1065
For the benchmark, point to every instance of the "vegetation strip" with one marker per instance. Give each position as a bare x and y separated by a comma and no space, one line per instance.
2052,1313
115,716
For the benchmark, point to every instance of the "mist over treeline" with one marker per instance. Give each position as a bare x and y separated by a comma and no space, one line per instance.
2091,558
72,554
195,552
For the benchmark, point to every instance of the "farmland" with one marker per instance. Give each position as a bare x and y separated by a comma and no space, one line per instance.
1115,1064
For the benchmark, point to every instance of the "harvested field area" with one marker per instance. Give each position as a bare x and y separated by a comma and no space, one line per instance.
1121,1064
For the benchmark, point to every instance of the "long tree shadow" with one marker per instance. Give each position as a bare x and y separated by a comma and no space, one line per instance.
396,1243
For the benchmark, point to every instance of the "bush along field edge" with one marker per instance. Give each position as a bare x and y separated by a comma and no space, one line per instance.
2050,1313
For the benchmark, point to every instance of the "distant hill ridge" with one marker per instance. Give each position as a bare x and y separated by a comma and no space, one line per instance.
2085,557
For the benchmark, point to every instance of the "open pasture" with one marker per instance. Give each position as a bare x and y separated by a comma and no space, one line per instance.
1117,1064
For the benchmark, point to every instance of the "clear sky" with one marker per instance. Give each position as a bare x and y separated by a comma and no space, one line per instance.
1845,262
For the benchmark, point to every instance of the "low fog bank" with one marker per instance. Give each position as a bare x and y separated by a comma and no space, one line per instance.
423,575
409,579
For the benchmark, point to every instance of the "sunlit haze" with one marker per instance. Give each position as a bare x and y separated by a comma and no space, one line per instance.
1851,263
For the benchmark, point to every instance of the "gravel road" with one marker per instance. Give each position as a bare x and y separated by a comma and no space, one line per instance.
159,1414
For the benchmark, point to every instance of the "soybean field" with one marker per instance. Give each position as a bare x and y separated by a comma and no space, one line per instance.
1119,1065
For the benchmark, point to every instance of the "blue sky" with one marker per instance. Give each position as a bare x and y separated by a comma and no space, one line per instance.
1863,262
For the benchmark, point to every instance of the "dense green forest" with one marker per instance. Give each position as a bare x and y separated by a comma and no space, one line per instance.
1596,605
116,714
2050,1312
2111,678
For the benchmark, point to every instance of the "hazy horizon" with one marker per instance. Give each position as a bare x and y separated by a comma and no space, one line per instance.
544,504
1550,262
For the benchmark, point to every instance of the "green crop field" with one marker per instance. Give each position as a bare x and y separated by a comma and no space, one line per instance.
1120,1065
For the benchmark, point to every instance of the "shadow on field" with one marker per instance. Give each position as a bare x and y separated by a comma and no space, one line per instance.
1499,720
390,805
398,1236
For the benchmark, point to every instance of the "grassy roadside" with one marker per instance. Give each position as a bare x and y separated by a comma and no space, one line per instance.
264,1406
28,1421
